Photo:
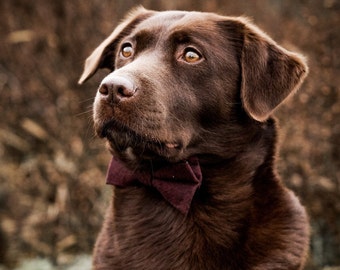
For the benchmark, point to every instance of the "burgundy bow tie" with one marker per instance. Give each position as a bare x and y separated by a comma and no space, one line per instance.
176,182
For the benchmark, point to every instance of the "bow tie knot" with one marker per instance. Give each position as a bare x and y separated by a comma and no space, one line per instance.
176,182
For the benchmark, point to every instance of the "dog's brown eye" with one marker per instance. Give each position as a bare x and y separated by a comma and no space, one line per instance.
191,56
127,51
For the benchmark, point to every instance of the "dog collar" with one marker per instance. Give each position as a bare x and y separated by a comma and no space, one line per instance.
176,182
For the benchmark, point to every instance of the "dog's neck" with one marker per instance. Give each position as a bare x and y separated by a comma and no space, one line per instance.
227,192
226,196
258,149
230,171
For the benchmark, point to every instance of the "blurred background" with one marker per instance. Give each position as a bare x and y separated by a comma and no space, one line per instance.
52,167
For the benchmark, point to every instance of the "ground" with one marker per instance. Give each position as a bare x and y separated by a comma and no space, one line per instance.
52,167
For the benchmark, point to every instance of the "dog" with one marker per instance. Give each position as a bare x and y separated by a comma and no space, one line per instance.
187,113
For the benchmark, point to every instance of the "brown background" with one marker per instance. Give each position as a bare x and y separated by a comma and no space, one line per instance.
52,168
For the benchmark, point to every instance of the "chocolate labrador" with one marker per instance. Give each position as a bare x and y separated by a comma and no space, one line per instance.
186,111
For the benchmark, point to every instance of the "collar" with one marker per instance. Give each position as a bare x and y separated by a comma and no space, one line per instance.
176,182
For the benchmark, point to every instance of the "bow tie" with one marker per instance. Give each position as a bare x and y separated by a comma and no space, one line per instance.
176,182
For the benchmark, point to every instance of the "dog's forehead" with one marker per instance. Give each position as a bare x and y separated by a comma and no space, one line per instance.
166,21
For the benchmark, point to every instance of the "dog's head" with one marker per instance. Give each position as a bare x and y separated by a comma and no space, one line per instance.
187,83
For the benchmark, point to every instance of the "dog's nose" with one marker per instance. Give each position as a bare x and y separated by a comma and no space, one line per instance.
116,88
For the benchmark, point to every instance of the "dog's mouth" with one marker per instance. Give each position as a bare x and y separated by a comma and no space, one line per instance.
123,139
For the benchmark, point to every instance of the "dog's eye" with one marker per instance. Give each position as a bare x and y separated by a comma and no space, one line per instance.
127,51
191,56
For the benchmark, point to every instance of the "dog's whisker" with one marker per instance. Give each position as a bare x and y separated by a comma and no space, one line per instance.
84,113
86,100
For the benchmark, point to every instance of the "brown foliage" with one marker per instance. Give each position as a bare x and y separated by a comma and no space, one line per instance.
52,169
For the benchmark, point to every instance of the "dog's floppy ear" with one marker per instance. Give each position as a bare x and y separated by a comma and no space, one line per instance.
103,56
269,72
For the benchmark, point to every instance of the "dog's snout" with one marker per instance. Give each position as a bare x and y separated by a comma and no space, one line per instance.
115,88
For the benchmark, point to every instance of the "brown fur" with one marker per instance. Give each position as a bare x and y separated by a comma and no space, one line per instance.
157,107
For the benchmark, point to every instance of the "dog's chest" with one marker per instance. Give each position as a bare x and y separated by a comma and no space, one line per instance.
149,231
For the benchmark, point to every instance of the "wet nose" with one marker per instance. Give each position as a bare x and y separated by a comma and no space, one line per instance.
116,88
